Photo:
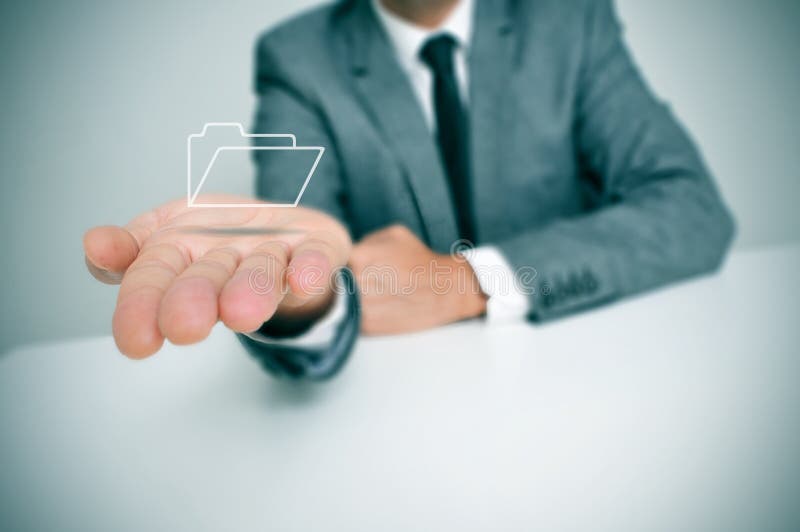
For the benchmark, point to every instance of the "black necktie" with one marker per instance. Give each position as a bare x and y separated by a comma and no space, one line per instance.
452,127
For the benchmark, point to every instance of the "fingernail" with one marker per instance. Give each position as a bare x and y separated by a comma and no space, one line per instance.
103,275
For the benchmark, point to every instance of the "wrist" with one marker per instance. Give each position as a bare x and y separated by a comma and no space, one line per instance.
467,299
294,318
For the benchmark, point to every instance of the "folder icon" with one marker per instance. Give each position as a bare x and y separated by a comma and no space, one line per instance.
238,141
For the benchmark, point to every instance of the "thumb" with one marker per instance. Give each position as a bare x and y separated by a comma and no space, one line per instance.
109,251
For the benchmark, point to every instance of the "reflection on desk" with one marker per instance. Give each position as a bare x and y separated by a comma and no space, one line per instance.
673,411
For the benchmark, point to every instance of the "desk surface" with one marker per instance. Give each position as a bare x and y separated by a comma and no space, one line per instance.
673,411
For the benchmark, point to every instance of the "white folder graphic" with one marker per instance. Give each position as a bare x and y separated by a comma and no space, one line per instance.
195,184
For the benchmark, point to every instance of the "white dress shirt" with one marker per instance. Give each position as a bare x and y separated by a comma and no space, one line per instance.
506,302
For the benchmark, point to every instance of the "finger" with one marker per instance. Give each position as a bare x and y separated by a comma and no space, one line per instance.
189,308
253,293
135,322
309,271
392,232
109,251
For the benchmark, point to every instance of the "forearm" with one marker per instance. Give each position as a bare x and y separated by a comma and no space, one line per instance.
662,231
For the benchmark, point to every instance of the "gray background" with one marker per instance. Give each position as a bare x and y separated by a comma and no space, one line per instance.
97,99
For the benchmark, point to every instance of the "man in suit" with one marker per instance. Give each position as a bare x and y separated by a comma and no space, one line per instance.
523,128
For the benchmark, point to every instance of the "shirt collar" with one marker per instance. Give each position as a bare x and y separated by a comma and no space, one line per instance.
408,38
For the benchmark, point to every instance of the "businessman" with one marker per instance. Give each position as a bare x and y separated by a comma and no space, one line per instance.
522,127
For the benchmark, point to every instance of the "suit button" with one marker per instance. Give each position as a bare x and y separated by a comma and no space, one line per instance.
548,298
590,282
575,286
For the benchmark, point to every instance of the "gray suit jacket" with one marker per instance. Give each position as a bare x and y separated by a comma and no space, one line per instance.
578,171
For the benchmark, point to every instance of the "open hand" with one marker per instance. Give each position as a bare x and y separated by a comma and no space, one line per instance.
182,269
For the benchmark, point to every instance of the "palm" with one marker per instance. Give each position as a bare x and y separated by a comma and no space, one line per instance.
183,269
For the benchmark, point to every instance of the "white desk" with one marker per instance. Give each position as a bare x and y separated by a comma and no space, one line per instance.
673,411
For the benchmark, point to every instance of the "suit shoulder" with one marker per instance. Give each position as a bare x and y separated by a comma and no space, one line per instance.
299,32
572,14
559,24
574,6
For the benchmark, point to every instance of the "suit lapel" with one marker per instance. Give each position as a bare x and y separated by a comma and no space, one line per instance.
389,100
491,62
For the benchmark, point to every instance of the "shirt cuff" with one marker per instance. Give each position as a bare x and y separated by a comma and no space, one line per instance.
506,301
320,335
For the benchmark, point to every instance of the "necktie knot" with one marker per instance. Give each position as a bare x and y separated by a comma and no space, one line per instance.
437,53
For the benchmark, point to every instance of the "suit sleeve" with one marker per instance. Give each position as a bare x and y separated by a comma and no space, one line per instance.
284,107
660,218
